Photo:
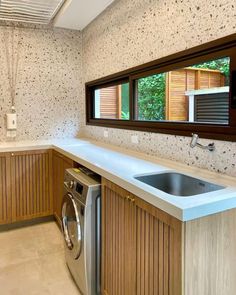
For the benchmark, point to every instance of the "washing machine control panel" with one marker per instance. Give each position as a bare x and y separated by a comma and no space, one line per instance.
79,188
79,184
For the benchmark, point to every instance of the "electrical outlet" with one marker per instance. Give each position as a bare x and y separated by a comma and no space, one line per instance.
105,133
11,133
134,139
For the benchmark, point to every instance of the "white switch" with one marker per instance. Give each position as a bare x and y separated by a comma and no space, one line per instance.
134,139
105,133
11,121
11,133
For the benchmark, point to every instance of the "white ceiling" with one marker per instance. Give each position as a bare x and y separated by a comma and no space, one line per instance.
77,14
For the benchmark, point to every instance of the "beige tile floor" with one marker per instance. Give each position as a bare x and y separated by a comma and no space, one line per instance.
32,262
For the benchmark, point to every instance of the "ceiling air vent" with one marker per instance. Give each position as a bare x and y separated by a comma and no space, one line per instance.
30,11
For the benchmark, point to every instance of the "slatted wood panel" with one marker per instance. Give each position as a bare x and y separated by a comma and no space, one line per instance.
5,197
211,79
110,102
118,265
31,179
180,81
158,251
60,164
141,246
177,107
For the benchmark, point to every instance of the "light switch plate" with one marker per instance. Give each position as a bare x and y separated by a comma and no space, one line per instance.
105,133
134,139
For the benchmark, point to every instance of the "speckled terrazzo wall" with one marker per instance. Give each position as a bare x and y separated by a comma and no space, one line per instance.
132,32
48,86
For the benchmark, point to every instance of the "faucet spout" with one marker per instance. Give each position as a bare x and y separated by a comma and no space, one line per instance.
194,142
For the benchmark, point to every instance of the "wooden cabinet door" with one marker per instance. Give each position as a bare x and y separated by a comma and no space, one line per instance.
31,184
5,193
118,220
60,164
141,246
158,251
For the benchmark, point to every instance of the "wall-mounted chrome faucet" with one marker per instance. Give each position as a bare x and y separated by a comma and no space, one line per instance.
194,142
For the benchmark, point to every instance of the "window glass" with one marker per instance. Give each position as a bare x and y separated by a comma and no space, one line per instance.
112,102
198,93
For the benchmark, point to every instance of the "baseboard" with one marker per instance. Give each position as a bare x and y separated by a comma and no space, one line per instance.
15,225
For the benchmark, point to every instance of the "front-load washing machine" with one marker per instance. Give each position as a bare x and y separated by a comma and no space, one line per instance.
81,228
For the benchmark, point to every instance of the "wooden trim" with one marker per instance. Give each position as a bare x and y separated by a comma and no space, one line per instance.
103,237
167,107
215,49
119,104
60,164
133,106
219,132
5,189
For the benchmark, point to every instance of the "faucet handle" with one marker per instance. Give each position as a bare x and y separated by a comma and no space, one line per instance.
211,147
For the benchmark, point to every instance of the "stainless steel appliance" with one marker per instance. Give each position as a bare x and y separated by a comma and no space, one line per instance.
81,228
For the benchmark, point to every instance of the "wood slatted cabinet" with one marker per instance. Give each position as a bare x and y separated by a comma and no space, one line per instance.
118,238
60,164
5,193
31,184
141,246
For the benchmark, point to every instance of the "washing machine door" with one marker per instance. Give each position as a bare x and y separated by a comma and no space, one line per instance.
71,225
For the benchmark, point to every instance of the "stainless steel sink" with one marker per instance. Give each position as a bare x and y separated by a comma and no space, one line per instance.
178,184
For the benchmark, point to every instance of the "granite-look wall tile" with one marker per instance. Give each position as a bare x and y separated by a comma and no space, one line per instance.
49,83
177,148
132,32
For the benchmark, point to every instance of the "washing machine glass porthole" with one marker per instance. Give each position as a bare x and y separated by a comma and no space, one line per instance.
71,225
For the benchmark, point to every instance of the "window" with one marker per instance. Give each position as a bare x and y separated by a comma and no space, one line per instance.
112,102
197,93
191,91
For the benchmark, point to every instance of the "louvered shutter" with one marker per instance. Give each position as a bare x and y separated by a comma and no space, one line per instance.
212,108
31,11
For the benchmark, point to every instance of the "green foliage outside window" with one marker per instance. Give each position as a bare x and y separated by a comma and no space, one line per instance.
125,101
151,97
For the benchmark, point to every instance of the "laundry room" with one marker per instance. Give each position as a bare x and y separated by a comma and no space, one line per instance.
117,147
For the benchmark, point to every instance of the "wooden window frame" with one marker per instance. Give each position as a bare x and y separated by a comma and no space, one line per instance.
216,49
